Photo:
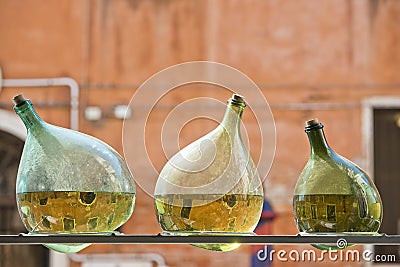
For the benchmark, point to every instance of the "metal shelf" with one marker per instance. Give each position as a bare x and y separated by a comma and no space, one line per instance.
198,239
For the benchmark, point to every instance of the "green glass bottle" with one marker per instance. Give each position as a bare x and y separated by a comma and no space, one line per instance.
332,194
69,182
211,187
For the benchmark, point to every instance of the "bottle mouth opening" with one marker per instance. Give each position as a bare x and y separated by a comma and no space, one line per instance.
313,124
237,100
19,100
21,104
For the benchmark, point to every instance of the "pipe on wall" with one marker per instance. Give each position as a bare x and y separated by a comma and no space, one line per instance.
46,82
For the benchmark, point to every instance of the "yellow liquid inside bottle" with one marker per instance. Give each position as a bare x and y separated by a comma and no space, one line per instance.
336,213
73,212
208,214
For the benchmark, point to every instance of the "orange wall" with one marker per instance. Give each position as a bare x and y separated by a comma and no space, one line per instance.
300,53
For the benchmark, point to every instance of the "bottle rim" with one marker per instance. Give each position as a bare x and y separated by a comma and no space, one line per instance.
237,100
312,125
19,100
21,107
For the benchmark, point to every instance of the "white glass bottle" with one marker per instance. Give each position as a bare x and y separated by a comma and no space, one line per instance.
211,187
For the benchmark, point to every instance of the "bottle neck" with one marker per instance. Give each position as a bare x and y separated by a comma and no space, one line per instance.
28,115
232,117
318,143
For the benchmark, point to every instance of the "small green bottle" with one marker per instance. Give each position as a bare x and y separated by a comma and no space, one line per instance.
69,182
332,194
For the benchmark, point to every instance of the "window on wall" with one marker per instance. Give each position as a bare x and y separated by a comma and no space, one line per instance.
386,125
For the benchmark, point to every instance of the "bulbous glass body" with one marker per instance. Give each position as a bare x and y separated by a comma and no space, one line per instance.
332,194
212,185
69,182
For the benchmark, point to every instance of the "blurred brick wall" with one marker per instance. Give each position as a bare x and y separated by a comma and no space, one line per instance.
316,58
